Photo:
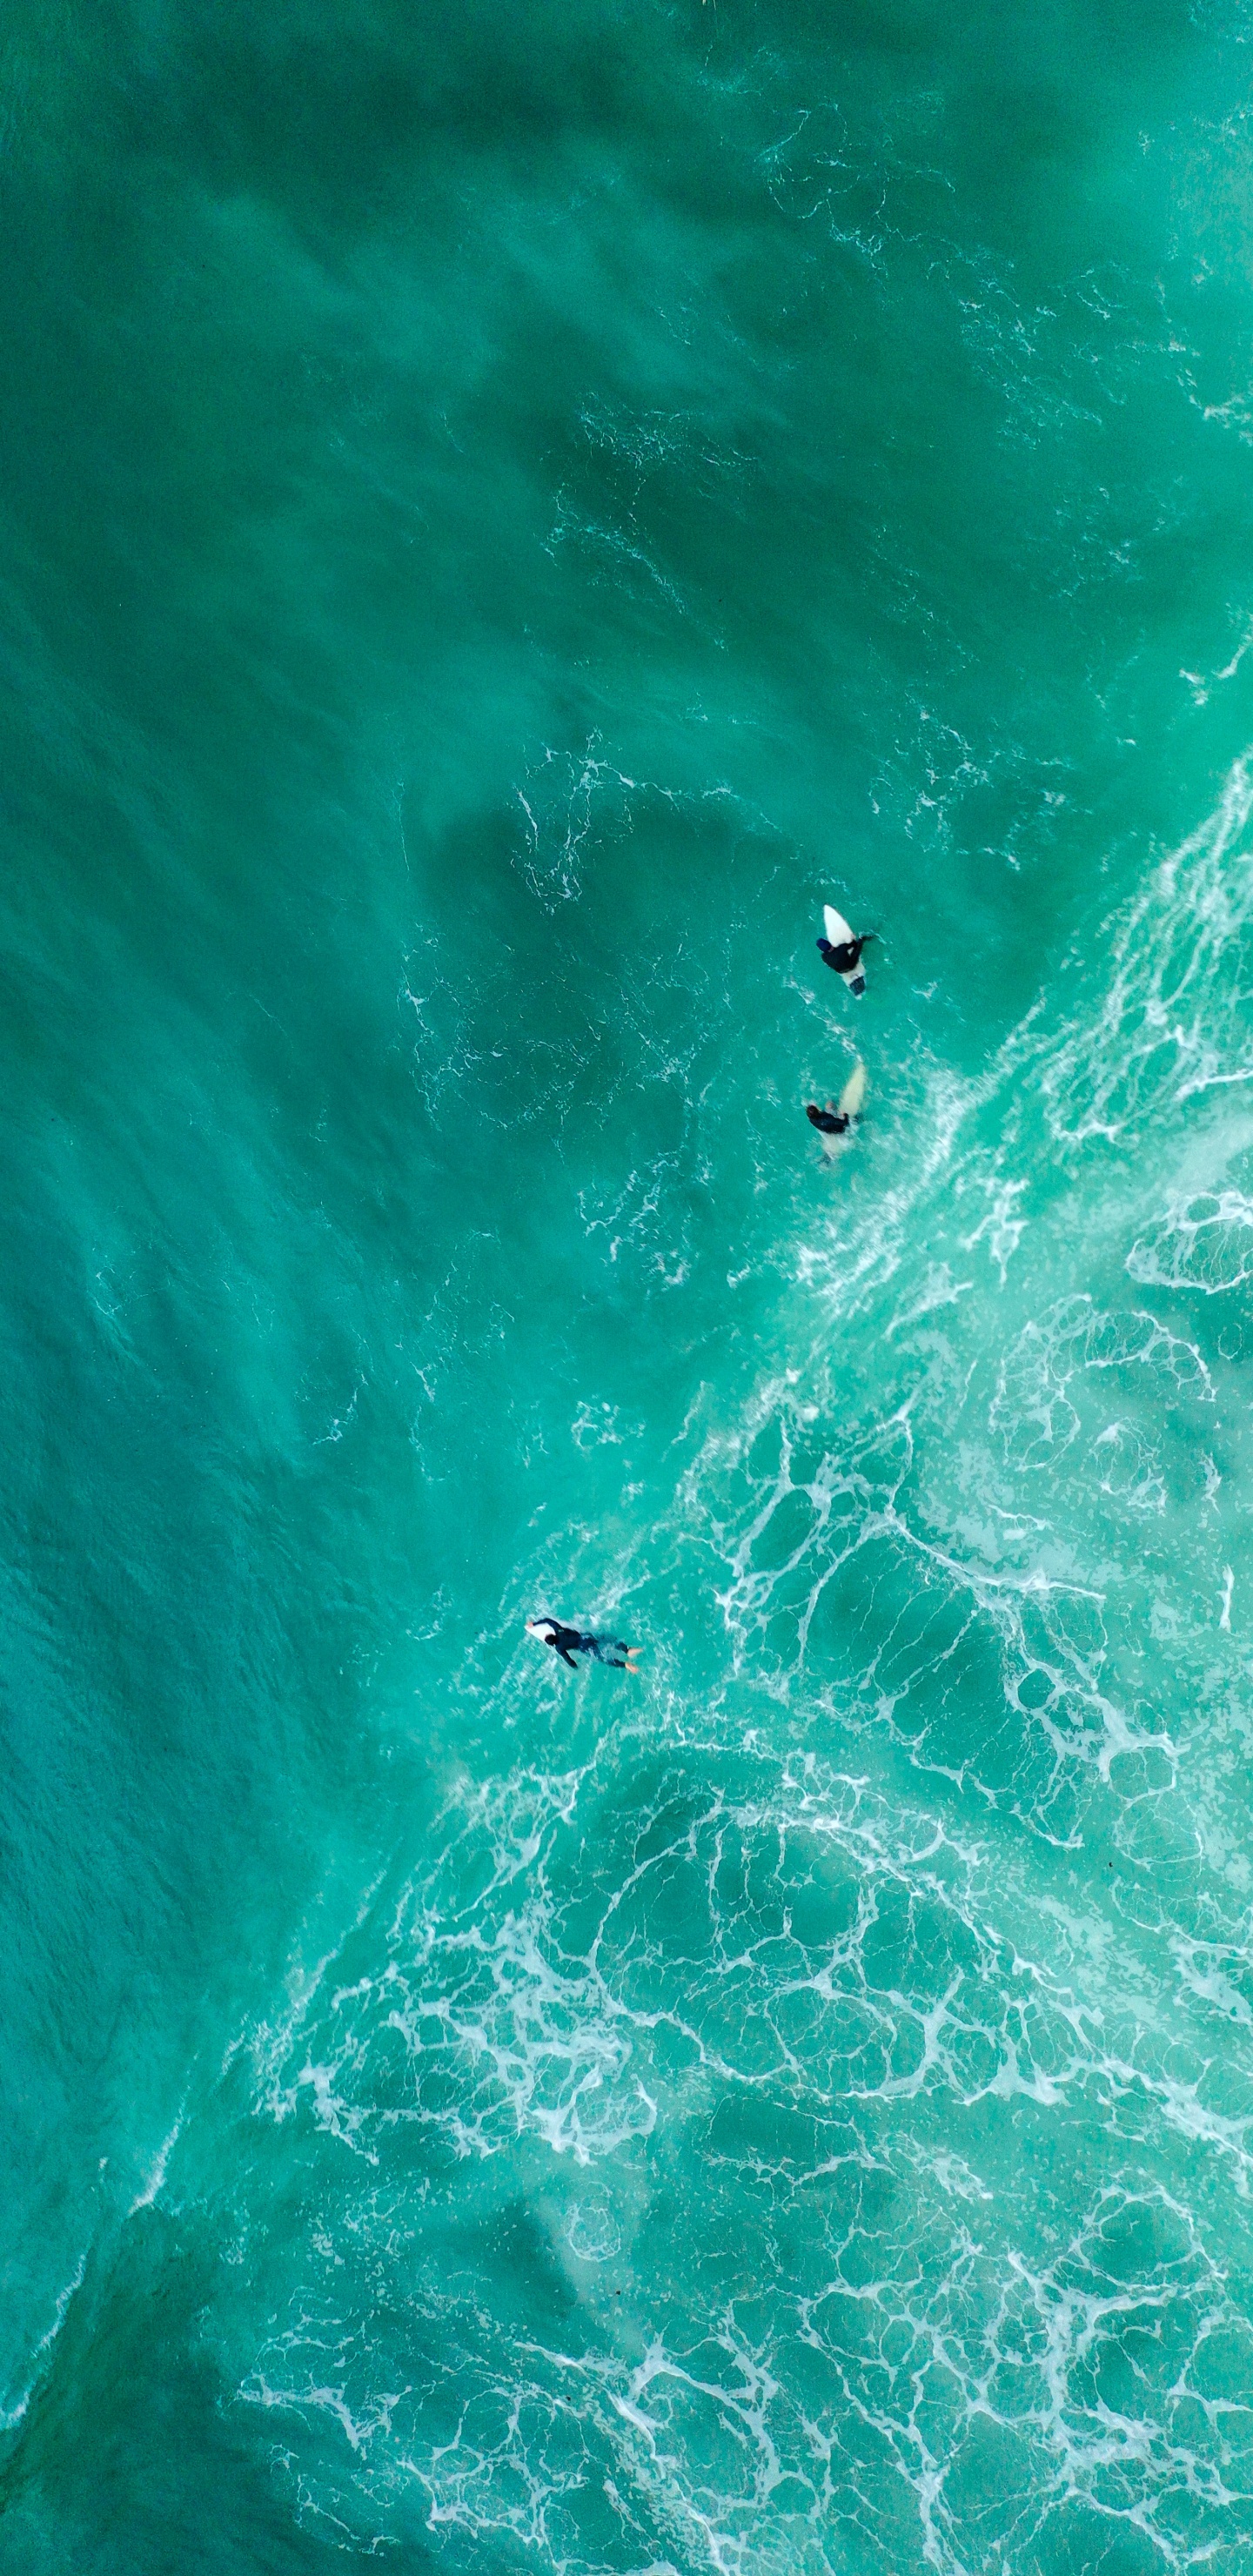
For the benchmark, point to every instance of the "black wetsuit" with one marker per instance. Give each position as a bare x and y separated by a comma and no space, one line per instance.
829,1122
569,1642
847,957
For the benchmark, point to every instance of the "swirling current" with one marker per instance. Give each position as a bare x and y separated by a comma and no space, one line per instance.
503,516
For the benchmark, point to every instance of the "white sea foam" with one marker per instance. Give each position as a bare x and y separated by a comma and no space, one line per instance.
834,2016
160,2165
12,2412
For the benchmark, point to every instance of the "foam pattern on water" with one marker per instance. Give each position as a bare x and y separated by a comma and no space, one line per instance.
814,2000
1175,1017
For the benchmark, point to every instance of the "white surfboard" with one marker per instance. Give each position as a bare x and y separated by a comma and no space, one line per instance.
848,1106
854,1092
838,931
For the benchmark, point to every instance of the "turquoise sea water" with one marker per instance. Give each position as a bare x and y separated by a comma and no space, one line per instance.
501,514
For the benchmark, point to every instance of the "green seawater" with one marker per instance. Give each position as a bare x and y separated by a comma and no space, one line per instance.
502,514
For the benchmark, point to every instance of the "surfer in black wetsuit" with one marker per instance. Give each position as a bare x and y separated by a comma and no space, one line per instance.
829,1121
846,958
569,1642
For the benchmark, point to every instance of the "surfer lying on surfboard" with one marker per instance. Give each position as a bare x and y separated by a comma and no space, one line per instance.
569,1642
842,950
836,1121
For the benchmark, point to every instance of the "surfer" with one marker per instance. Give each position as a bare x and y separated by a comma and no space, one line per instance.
841,950
836,1122
828,1121
569,1642
844,955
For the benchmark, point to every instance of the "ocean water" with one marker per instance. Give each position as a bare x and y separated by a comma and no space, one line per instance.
502,513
